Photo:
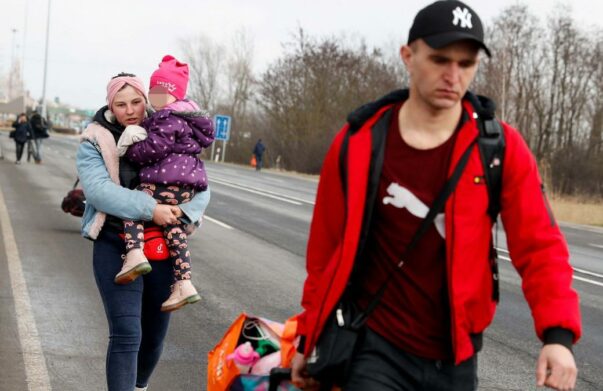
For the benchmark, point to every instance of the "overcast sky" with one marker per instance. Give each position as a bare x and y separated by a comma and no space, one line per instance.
92,40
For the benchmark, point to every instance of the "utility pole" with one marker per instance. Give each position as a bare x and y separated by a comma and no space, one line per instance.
11,66
45,63
23,48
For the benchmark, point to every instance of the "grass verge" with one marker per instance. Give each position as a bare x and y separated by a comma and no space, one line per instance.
578,210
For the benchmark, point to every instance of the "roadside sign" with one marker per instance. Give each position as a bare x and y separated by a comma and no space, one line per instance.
222,127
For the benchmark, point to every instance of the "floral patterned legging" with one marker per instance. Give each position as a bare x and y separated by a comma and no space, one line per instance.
175,235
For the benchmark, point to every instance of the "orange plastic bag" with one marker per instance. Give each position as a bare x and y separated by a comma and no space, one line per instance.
253,162
221,371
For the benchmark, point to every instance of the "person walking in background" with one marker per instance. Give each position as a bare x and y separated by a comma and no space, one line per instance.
137,326
21,134
166,148
258,152
39,125
382,174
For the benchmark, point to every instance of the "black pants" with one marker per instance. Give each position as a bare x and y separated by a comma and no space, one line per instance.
380,366
19,150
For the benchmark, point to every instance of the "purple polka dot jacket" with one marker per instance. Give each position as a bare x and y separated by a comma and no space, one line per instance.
169,155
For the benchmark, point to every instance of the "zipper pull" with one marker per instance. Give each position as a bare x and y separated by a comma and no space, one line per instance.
339,316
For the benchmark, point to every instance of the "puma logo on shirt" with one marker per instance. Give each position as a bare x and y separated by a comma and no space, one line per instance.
401,197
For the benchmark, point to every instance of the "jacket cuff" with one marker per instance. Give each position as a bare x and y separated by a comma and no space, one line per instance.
560,336
302,344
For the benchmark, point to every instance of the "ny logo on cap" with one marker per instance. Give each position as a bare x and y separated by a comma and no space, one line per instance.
463,16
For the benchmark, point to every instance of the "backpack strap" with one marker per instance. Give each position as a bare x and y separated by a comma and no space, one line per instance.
343,159
491,144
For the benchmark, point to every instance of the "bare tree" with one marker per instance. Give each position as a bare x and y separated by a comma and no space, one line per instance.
511,76
595,144
238,98
205,59
307,94
547,83
239,73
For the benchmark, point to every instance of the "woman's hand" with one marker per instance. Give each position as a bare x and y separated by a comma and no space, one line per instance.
165,215
177,211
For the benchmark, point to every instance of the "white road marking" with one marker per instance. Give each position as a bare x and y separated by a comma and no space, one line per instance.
575,269
596,245
266,191
36,371
221,224
259,192
589,273
590,228
589,281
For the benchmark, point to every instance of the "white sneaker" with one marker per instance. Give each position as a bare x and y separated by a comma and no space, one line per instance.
141,389
183,293
135,265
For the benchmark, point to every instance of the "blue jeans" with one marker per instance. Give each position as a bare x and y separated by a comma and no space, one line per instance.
38,150
137,327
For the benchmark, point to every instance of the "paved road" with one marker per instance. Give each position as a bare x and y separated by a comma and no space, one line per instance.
248,256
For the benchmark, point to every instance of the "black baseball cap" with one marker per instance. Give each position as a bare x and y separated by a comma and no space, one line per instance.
447,21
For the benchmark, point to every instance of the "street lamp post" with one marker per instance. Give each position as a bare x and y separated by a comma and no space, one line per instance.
45,63
23,53
11,68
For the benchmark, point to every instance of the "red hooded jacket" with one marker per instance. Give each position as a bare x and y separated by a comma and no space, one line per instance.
536,245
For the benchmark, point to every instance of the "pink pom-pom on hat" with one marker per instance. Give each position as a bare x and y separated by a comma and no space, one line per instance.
172,75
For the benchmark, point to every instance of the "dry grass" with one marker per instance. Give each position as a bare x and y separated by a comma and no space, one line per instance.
578,210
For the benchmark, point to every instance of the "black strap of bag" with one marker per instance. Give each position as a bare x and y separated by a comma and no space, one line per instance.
436,207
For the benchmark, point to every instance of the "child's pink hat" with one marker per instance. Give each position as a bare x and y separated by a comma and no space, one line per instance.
173,75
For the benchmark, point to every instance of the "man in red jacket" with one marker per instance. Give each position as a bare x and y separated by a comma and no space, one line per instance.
400,150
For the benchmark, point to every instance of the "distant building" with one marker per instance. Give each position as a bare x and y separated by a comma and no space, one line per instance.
68,117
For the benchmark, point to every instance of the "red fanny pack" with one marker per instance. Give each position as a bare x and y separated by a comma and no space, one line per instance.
155,246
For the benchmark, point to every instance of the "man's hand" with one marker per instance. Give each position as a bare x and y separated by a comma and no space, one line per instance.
164,215
556,368
299,375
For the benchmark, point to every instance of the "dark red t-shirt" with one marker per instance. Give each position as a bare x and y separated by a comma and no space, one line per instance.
414,312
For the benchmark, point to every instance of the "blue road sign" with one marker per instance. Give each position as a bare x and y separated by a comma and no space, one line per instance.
222,127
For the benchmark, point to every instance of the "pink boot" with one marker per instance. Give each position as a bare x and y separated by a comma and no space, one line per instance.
183,292
135,264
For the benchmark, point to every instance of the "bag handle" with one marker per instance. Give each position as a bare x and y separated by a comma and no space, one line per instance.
436,207
76,182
